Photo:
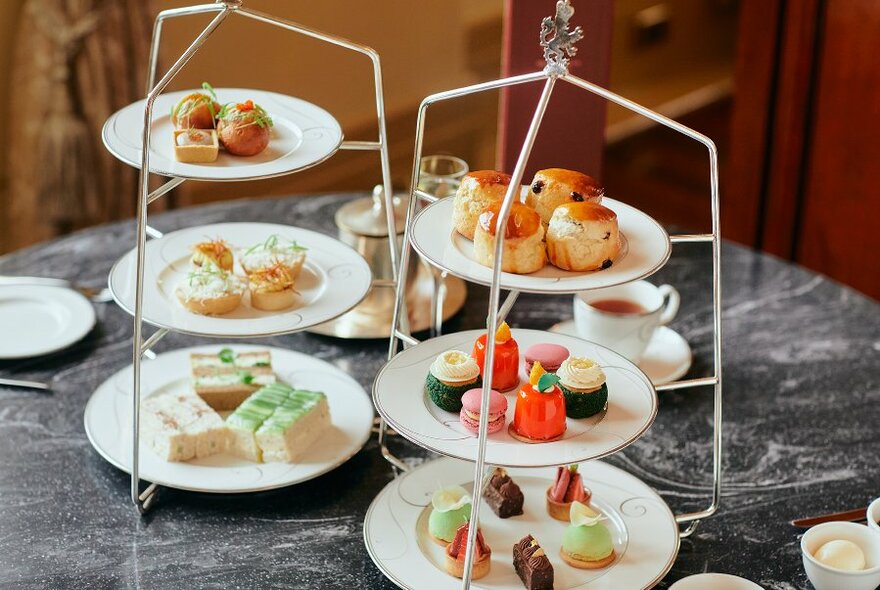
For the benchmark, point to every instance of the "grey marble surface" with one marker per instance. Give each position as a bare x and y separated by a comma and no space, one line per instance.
802,388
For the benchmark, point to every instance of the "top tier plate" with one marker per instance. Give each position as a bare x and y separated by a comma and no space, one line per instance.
646,248
303,135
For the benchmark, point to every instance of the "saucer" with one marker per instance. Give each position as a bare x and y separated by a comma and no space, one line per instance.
667,358
716,582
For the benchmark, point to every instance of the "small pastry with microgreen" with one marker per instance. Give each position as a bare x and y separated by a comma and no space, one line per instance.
209,290
244,128
582,382
272,288
586,542
568,487
272,250
197,110
216,252
452,374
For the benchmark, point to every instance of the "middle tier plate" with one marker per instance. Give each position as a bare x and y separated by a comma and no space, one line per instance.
400,397
645,249
333,280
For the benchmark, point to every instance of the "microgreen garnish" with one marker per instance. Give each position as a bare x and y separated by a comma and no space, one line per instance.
210,90
227,356
249,113
245,377
261,364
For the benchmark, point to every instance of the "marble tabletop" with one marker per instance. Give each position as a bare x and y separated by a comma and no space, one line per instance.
802,388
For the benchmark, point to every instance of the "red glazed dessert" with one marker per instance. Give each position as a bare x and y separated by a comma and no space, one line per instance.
540,408
505,374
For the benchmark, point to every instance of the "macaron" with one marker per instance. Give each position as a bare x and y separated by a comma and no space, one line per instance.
470,410
549,355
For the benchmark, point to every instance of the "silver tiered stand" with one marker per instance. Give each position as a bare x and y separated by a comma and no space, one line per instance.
144,499
558,43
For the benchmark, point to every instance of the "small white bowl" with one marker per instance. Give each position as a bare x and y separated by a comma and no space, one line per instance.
829,578
874,515
715,582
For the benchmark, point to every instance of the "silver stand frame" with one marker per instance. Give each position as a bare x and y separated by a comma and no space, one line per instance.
557,71
144,499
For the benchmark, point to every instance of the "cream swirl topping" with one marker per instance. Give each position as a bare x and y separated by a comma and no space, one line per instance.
577,372
454,366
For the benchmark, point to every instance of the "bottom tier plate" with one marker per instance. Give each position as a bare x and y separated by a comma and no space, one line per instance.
643,528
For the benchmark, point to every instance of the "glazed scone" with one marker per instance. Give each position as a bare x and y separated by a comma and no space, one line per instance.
209,290
582,236
556,186
523,240
478,190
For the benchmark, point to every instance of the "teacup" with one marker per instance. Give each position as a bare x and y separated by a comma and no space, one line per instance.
624,318
824,577
873,515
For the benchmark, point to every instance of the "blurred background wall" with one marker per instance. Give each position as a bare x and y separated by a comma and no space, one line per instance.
788,89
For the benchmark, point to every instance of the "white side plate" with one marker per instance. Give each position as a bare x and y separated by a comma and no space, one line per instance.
646,248
108,424
642,527
302,135
40,320
334,279
400,397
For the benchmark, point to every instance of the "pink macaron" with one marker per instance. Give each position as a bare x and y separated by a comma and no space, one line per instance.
549,355
470,410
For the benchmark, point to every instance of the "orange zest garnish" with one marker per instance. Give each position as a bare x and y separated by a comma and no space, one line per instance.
277,274
503,333
215,248
536,372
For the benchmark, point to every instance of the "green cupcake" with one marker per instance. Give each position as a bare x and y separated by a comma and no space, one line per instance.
582,382
451,375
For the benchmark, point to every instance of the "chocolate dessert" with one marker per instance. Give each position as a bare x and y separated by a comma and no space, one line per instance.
532,565
503,495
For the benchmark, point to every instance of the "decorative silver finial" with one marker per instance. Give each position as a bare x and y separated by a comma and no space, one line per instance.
557,40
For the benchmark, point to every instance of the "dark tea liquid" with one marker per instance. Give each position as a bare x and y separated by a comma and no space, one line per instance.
621,306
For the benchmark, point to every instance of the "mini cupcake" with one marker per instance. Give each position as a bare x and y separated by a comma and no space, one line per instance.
450,508
557,186
450,376
523,249
478,190
470,410
568,487
272,251
216,252
456,552
549,355
582,382
272,288
586,543
582,237
209,290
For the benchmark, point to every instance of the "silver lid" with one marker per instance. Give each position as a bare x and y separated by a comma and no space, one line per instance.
366,216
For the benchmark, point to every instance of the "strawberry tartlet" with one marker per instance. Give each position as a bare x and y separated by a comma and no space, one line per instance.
470,410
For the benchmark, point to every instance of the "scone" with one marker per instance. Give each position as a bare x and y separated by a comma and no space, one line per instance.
582,236
523,239
478,190
556,186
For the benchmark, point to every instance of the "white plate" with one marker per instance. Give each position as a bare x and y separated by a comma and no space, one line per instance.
646,249
334,279
302,135
715,582
400,396
643,529
40,320
108,424
667,357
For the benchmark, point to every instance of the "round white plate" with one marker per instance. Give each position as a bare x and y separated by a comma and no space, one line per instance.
108,424
302,135
39,320
642,526
400,397
334,279
715,582
667,357
646,249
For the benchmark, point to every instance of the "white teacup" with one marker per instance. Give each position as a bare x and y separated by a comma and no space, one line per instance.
625,333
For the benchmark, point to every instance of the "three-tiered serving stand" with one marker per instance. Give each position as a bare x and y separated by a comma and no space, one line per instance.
223,9
393,545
